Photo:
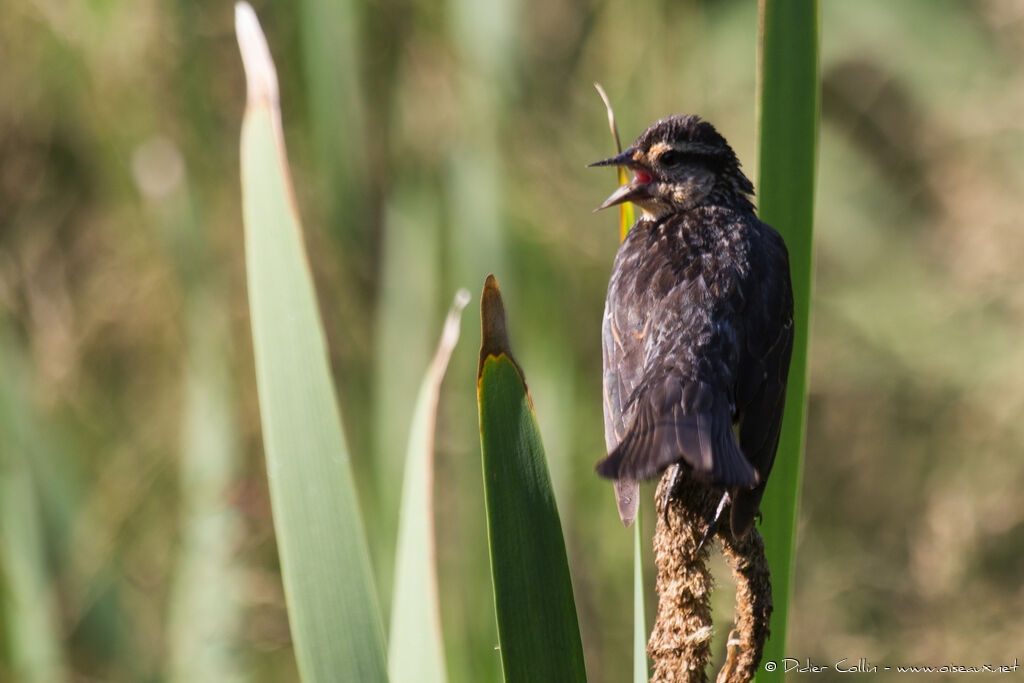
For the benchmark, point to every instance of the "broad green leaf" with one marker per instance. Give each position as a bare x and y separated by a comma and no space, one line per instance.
416,647
537,625
332,601
788,119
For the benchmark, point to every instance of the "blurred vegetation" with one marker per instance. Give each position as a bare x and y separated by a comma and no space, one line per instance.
432,144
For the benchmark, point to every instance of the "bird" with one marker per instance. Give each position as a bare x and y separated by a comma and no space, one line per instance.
698,324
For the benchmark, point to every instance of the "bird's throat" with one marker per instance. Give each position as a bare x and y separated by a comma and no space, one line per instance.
653,209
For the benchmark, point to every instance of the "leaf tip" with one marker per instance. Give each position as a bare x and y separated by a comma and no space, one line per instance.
450,331
494,332
462,297
611,116
260,74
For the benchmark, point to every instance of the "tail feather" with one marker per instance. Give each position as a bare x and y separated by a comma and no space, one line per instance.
745,507
731,467
667,429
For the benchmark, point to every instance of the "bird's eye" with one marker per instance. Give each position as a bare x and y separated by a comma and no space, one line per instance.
671,157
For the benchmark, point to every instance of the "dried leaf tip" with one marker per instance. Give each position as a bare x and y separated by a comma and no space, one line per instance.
494,333
450,332
260,74
611,116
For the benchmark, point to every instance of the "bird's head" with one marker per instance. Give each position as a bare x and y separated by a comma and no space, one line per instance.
680,162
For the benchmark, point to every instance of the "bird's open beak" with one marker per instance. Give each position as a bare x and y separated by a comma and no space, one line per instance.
630,192
624,159
633,191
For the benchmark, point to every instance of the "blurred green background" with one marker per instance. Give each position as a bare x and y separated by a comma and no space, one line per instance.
431,144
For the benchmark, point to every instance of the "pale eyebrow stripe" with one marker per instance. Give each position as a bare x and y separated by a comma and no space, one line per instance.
659,148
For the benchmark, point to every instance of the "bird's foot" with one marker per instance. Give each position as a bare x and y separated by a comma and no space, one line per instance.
714,520
669,490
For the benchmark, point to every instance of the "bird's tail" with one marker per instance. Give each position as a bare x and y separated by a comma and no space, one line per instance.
674,422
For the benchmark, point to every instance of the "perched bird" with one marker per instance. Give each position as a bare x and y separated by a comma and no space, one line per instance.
698,323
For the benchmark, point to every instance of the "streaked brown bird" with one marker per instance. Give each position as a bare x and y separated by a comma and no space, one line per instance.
698,323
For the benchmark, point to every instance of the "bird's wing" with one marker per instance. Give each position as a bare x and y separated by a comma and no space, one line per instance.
623,362
656,410
761,395
676,419
652,422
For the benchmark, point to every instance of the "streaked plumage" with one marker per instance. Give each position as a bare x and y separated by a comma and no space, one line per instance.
697,330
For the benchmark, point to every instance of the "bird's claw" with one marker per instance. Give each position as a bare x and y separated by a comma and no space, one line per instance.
667,495
714,520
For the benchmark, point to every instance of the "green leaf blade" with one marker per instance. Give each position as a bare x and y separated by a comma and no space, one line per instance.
416,646
332,603
32,646
536,612
788,116
640,672
206,611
